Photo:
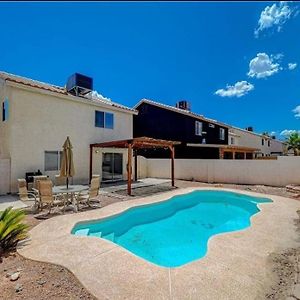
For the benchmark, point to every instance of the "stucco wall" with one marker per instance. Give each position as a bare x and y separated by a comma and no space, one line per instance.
5,126
277,146
4,176
285,170
41,122
249,139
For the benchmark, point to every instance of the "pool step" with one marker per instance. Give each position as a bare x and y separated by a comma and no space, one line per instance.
110,236
82,232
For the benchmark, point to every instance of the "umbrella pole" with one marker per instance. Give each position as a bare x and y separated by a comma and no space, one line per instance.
67,182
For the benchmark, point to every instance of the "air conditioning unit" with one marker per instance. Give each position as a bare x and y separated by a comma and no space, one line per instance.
79,85
183,105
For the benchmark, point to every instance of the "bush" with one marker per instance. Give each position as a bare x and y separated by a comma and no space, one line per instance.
12,230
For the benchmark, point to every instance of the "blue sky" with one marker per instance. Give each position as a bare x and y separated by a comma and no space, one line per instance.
230,60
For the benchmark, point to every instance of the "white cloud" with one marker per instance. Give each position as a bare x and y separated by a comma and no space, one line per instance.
296,110
288,132
275,15
263,66
272,133
96,95
277,56
292,66
240,89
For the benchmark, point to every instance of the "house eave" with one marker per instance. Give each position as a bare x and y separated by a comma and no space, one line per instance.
70,97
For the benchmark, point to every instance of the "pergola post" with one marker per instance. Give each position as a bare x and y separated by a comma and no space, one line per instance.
91,162
129,169
221,153
172,164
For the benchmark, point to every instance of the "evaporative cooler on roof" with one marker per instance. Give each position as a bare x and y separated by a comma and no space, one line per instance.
79,85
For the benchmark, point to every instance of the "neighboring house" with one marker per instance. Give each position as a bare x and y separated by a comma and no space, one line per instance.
267,146
200,137
36,119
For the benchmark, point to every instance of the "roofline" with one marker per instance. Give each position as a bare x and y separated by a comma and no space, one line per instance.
255,133
83,100
180,111
223,146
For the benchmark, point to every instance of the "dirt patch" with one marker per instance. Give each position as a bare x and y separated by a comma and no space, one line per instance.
285,268
38,281
277,191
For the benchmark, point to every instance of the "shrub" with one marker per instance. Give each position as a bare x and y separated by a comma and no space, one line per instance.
12,230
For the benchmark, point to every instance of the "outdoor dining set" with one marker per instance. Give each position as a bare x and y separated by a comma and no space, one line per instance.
46,195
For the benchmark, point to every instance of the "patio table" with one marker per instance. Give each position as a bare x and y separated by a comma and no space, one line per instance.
71,190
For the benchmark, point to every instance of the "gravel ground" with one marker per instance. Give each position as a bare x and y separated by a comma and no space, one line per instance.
46,281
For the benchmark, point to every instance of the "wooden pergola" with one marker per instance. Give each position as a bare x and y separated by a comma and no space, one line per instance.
133,145
233,149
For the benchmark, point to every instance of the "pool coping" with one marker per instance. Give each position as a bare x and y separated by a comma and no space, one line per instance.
122,274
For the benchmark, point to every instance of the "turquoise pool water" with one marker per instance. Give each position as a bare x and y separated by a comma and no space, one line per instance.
176,231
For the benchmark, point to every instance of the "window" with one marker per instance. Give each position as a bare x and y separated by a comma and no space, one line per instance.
52,160
5,110
104,119
262,142
222,134
99,119
269,143
198,128
232,141
109,120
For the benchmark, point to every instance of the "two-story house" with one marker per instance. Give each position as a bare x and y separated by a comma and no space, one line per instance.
200,137
268,146
37,117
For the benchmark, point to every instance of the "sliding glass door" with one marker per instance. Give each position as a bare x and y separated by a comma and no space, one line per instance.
112,166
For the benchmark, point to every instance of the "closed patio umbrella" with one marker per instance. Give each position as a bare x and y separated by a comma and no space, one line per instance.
67,165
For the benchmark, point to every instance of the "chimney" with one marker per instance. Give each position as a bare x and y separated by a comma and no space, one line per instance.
250,128
183,105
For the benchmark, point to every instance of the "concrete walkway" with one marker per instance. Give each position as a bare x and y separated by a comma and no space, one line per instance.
11,200
145,182
235,266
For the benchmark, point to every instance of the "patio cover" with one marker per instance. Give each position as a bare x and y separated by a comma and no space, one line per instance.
135,144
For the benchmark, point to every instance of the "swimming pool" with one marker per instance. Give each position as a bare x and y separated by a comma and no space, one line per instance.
176,231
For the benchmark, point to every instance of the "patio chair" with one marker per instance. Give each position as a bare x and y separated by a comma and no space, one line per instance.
92,193
46,196
60,180
25,195
36,179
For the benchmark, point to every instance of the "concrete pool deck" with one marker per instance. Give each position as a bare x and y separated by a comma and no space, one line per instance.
235,266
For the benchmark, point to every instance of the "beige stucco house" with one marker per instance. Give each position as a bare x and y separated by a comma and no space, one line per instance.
36,119
267,146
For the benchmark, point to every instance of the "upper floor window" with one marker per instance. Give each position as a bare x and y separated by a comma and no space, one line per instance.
104,119
262,142
53,160
232,141
198,128
269,143
5,110
222,134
